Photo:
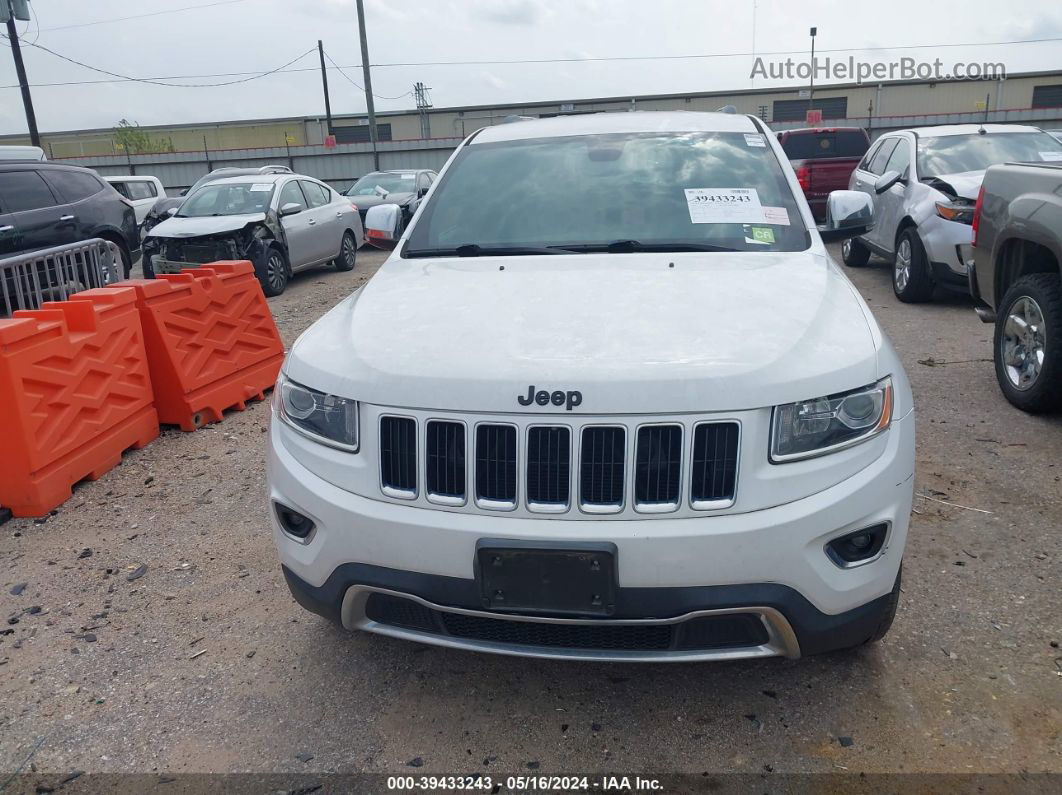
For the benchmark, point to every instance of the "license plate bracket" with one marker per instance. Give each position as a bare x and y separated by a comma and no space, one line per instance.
574,578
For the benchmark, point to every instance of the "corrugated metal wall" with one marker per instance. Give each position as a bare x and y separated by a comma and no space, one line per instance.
339,166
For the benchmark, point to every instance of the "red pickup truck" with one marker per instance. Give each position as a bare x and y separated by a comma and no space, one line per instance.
824,158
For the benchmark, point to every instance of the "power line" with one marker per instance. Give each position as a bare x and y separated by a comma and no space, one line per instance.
702,56
360,88
284,70
143,16
254,76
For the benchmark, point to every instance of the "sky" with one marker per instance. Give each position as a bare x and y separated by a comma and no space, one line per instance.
260,35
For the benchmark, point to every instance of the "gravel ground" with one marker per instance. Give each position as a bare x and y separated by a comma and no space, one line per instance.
205,664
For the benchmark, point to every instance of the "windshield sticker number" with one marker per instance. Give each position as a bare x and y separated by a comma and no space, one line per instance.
754,139
261,187
1051,157
724,205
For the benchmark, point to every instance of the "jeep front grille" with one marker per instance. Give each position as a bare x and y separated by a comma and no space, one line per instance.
601,467
398,456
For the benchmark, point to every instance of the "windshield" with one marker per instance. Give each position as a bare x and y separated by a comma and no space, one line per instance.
231,199
955,154
392,183
638,190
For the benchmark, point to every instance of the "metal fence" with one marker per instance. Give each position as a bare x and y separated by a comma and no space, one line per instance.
54,274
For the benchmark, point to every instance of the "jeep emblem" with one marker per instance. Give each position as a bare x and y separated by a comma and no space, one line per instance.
569,399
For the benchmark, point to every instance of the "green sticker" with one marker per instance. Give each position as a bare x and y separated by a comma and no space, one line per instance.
763,234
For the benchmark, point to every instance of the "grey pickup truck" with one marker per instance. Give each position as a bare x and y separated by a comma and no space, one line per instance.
1016,279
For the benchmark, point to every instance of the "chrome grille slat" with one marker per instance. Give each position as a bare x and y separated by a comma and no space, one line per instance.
496,465
603,453
398,456
444,452
548,464
658,467
714,463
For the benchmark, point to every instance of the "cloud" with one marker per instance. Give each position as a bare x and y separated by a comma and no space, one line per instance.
493,80
509,12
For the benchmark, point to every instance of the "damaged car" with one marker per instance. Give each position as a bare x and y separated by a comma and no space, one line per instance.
282,223
924,186
405,188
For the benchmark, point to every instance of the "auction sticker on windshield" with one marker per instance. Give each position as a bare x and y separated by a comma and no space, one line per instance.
1051,157
261,187
724,206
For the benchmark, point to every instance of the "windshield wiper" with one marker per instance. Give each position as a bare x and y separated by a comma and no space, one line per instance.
632,246
476,250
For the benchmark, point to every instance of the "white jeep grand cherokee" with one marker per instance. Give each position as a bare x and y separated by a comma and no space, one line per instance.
609,398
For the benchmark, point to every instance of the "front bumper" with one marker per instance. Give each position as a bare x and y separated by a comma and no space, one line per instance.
948,248
769,564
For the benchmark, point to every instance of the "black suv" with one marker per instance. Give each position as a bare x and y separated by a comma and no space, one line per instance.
49,204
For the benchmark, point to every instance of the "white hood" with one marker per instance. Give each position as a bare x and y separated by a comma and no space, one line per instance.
967,184
714,332
209,225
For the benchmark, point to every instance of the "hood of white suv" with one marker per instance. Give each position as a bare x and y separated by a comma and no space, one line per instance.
632,332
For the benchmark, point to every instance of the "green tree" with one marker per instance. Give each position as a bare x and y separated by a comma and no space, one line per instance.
131,138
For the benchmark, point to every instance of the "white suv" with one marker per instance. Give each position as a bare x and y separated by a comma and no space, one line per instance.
924,185
609,398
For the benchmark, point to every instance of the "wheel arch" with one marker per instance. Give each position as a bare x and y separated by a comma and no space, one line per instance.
1019,257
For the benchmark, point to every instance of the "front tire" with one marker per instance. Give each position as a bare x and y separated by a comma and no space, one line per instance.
273,274
1027,346
348,254
911,281
854,253
888,615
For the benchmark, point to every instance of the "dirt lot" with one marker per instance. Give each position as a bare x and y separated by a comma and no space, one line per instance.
205,663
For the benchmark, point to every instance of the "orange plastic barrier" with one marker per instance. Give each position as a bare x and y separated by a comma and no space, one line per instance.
75,392
211,341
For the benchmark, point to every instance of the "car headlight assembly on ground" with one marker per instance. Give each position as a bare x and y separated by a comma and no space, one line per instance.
327,419
824,425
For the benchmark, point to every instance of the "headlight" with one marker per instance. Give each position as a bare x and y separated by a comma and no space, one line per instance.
826,424
324,418
960,211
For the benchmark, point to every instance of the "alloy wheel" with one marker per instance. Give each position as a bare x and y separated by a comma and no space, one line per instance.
349,252
275,271
1023,342
902,274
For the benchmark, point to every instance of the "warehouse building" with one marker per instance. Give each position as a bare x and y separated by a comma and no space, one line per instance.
1034,98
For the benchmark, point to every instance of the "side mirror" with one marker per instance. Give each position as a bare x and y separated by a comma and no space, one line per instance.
886,181
183,192
291,208
849,213
172,211
382,225
422,193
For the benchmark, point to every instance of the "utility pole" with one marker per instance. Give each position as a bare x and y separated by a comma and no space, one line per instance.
10,10
811,89
324,82
423,100
365,71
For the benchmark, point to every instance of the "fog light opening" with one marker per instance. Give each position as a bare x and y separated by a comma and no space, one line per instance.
859,546
293,522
